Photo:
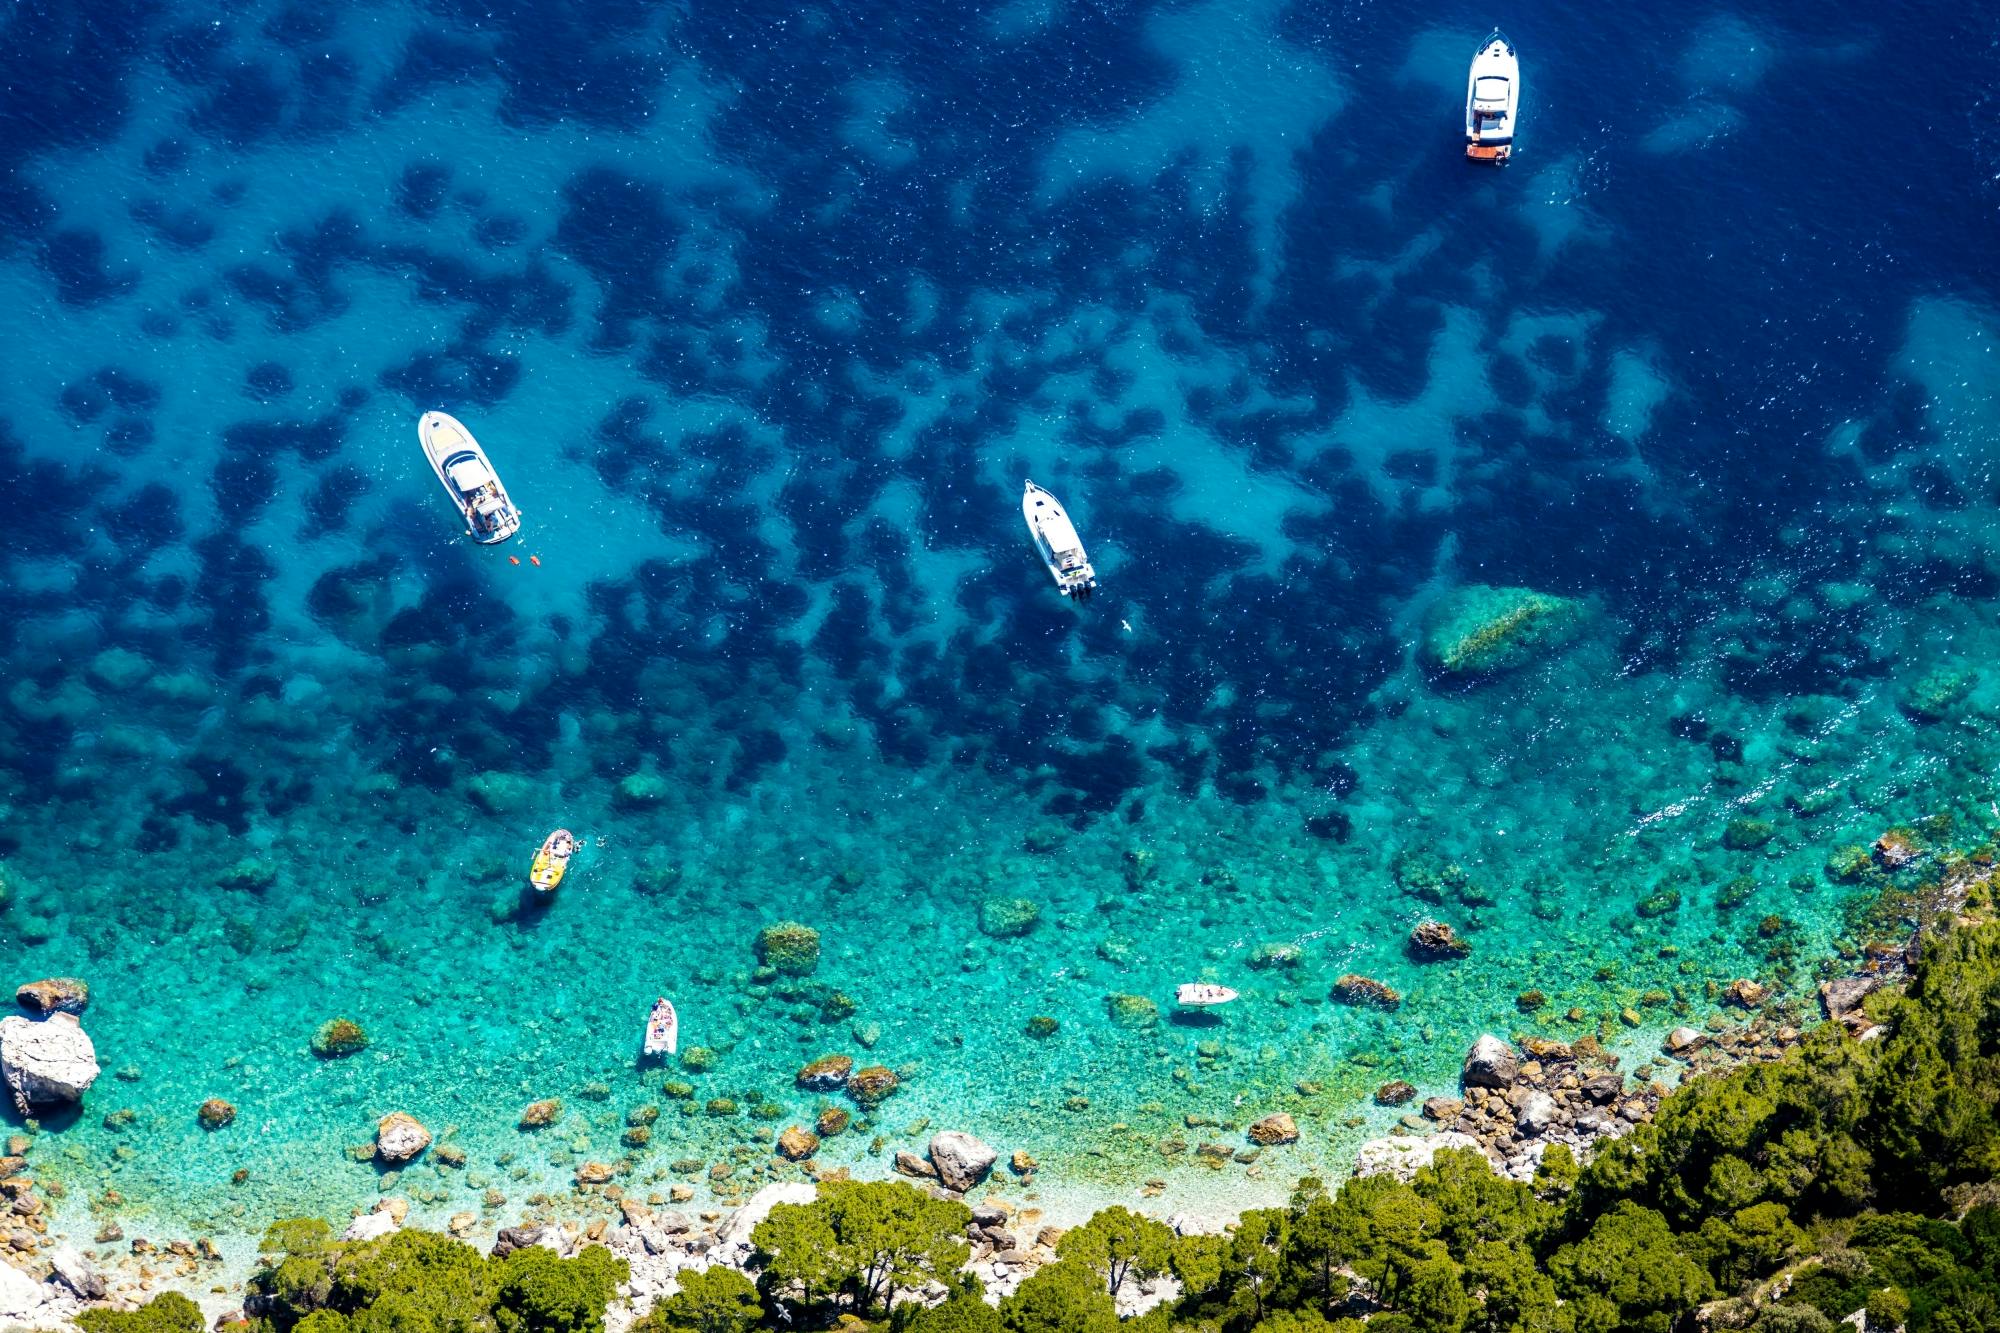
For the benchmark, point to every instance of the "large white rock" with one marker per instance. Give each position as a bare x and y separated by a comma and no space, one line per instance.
399,1137
1404,1157
962,1161
369,1226
737,1229
20,1294
46,1060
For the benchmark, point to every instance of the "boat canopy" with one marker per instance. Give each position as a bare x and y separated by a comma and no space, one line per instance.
1489,88
468,474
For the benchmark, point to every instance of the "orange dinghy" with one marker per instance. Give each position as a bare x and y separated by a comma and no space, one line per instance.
552,860
663,1028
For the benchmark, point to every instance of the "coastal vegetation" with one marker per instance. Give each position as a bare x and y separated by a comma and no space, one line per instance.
1778,1196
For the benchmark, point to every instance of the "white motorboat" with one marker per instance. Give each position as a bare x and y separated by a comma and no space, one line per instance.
1060,547
1492,101
468,477
663,1028
1202,995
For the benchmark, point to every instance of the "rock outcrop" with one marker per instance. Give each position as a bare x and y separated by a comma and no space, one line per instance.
369,1226
69,995
46,1061
962,1161
1404,1157
1276,1128
400,1137
826,1074
1490,1064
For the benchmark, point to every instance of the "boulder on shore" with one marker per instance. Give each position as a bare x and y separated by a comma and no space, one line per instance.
1842,997
1490,1064
69,995
46,1060
1682,1041
1404,1157
962,1161
399,1137
369,1226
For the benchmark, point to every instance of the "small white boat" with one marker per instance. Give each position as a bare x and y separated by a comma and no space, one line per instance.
1492,101
1202,995
468,478
663,1028
1061,549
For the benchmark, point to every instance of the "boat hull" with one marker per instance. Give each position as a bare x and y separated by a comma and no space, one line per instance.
663,1029
1492,102
552,861
489,513
1057,543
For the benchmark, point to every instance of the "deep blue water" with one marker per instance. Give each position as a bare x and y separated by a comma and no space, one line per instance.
764,312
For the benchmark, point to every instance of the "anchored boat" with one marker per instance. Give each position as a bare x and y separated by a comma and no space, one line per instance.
1202,995
469,478
552,861
663,1028
1060,547
1492,100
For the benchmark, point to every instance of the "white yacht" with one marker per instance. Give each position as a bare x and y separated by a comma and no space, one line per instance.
468,478
1492,101
1060,547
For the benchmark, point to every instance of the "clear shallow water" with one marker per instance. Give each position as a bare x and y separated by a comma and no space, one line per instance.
764,315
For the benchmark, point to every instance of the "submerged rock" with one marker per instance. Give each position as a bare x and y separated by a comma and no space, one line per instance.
1353,988
500,793
1273,1129
1490,1064
797,1144
1005,917
1395,1093
1480,629
789,948
1276,955
46,1060
1431,941
962,1161
69,995
872,1086
338,1037
536,1115
1132,1011
399,1137
215,1113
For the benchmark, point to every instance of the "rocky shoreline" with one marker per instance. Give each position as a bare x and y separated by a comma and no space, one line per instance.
1518,1096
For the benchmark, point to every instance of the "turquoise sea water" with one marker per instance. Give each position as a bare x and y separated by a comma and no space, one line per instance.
764,314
